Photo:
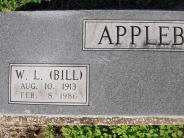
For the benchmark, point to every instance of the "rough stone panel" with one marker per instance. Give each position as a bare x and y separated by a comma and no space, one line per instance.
17,132
34,126
25,121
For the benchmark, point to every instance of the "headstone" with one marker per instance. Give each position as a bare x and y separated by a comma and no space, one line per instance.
110,63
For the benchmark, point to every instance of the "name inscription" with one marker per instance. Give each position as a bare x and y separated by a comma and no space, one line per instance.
49,84
138,35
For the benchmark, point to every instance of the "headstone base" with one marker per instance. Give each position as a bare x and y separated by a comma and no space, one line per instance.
40,120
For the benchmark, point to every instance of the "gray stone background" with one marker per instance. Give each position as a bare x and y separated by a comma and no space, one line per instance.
122,83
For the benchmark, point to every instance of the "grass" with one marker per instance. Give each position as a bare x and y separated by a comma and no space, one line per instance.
11,5
122,131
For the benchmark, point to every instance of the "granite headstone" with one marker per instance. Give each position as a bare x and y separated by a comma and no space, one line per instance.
111,63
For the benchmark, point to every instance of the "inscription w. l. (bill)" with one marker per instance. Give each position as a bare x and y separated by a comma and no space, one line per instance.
49,84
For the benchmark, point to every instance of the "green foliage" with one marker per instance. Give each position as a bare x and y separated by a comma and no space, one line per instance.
135,131
171,131
85,132
50,132
11,5
124,131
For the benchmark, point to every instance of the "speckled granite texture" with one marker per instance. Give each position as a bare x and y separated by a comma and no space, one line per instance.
125,83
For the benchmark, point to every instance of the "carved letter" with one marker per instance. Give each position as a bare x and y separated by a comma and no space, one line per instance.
118,33
105,36
135,34
178,35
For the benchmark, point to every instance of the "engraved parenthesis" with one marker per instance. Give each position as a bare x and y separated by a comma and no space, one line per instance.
51,75
80,74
